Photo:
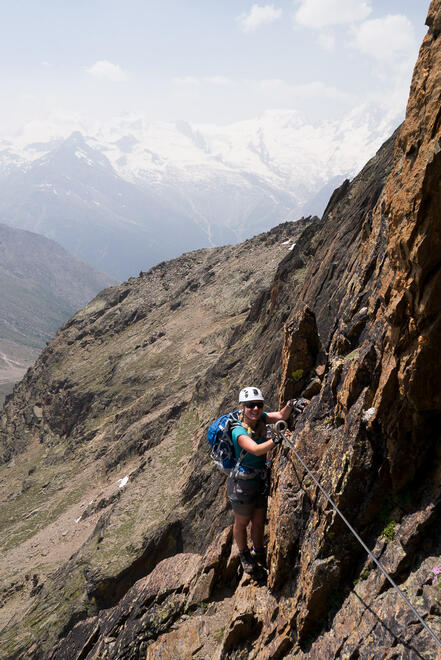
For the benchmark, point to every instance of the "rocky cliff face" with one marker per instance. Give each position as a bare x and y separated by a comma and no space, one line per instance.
97,440
350,316
41,285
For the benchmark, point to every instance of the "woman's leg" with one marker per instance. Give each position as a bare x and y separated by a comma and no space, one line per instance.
240,536
240,531
258,527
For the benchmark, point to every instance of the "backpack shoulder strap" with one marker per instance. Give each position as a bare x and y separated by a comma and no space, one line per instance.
243,453
235,422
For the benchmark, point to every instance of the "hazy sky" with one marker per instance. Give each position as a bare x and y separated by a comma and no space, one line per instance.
205,60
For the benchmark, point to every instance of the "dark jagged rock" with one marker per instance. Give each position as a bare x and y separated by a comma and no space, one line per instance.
301,349
176,586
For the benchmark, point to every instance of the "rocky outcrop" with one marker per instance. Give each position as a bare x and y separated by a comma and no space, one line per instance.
371,433
301,349
175,590
105,468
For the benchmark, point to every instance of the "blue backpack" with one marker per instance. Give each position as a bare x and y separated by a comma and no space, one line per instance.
221,442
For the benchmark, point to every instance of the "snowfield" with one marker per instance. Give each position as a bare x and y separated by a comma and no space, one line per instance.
128,183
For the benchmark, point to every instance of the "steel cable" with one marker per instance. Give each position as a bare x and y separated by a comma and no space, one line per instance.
279,428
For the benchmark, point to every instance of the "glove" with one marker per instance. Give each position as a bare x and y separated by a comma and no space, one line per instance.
301,405
298,405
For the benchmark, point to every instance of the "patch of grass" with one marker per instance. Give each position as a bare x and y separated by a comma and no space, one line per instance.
353,355
219,634
300,275
201,607
43,518
40,620
124,528
389,531
388,514
39,493
170,458
363,576
187,425
324,423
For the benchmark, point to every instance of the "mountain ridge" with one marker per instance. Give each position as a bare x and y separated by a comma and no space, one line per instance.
206,185
41,285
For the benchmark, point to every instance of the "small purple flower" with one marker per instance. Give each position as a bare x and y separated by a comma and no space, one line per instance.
436,571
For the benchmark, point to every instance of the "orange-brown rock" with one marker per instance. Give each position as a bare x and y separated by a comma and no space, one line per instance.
301,349
371,434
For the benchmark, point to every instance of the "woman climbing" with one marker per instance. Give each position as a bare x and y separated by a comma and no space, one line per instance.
248,484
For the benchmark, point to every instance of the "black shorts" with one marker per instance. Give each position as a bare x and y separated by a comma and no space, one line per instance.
246,495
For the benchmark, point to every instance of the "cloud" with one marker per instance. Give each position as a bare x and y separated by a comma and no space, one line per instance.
256,95
221,81
308,99
107,70
326,40
314,90
390,39
193,81
258,16
318,14
187,81
273,83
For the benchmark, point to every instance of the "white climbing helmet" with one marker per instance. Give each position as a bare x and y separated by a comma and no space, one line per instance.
250,394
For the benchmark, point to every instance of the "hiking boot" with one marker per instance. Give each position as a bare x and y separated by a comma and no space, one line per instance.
247,562
259,556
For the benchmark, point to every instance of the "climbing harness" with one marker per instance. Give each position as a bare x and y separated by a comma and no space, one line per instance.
279,429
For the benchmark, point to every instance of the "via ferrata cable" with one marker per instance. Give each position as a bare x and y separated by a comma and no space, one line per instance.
279,429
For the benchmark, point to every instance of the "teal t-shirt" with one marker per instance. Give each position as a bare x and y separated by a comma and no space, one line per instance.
249,460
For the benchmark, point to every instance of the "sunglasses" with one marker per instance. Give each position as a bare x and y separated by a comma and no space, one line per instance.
254,404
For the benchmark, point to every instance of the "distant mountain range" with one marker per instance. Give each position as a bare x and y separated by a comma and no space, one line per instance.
133,193
41,286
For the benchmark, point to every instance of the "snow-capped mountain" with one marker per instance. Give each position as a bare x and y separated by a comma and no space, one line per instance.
129,193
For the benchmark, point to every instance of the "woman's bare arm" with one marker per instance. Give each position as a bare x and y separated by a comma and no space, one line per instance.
284,413
252,447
